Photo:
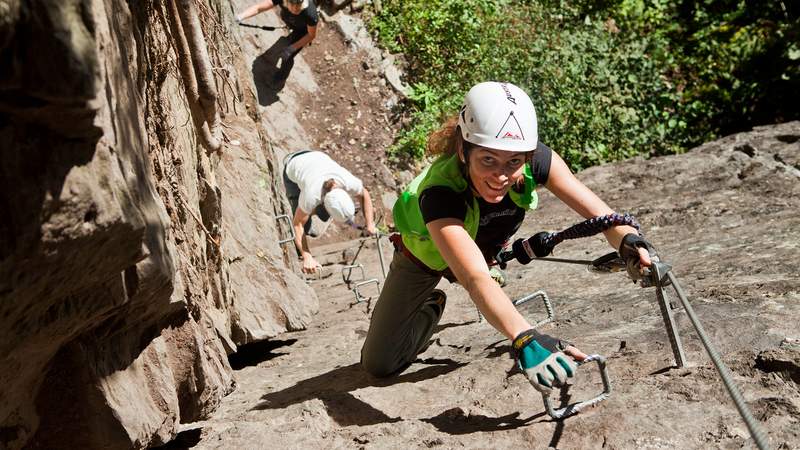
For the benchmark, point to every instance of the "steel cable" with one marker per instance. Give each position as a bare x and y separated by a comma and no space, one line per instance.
724,372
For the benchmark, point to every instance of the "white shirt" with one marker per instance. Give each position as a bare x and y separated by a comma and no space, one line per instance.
311,170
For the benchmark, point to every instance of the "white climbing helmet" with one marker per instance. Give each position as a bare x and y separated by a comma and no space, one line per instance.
339,205
499,116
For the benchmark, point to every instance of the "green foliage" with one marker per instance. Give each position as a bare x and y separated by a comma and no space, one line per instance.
735,62
610,79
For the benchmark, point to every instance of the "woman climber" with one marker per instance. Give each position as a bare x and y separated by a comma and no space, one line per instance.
458,213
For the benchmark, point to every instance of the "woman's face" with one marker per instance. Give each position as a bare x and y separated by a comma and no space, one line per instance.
494,172
294,8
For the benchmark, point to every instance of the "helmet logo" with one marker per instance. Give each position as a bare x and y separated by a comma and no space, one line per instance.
511,129
509,97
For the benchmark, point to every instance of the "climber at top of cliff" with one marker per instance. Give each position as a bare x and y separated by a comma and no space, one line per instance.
300,16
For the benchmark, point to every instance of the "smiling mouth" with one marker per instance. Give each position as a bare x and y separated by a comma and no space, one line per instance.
498,189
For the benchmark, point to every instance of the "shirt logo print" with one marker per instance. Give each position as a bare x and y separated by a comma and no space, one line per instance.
491,216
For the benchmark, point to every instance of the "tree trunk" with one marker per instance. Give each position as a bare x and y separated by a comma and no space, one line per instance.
202,63
187,70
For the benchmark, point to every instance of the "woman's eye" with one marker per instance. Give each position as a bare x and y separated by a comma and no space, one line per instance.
488,161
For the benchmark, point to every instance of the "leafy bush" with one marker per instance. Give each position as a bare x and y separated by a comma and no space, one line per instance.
609,79
737,63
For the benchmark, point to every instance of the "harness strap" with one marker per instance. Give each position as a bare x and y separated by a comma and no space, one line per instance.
397,240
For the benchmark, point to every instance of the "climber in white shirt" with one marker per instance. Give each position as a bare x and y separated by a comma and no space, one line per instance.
317,185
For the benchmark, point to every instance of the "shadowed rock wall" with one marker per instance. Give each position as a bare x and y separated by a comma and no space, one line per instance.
131,262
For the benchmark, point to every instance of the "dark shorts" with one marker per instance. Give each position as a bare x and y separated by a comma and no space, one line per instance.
293,194
286,66
296,35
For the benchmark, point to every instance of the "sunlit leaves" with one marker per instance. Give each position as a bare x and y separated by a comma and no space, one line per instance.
610,78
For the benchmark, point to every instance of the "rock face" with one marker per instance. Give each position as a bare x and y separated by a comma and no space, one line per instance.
131,262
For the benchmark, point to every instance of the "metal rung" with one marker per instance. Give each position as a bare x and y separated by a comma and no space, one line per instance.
357,293
551,315
349,269
659,279
291,228
574,408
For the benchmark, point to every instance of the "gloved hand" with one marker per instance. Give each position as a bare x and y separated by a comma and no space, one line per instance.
540,358
629,252
525,249
288,53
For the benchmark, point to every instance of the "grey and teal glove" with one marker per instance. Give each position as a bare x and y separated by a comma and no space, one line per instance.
540,358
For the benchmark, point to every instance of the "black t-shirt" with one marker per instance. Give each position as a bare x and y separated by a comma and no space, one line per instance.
308,17
498,221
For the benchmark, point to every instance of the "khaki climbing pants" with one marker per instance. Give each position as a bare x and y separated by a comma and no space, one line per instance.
398,321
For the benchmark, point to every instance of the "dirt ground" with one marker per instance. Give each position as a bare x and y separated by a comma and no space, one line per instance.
725,216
